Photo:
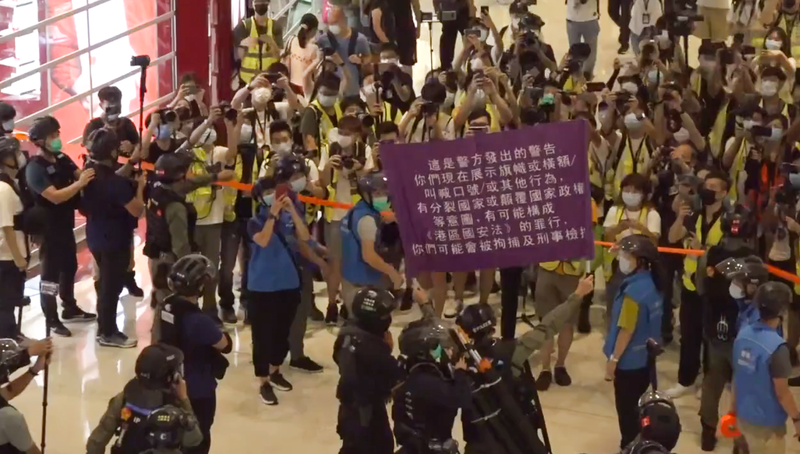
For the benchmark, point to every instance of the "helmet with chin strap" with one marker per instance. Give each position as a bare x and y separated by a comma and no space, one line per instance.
371,183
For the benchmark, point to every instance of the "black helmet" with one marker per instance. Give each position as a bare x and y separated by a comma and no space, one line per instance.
659,420
425,341
288,166
7,112
640,247
157,366
477,320
371,183
749,269
166,425
738,222
171,167
263,184
373,304
43,127
103,144
772,299
12,358
9,146
190,274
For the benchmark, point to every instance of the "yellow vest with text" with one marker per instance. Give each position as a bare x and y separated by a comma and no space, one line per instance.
255,60
601,177
690,262
325,123
576,88
625,165
203,197
718,129
608,257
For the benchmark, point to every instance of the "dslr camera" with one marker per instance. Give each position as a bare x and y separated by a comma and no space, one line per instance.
228,112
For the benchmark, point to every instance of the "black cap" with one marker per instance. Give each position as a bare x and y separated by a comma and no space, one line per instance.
190,274
9,146
772,299
373,304
102,143
288,166
7,112
157,364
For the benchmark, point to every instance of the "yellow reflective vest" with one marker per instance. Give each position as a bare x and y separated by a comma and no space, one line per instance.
629,161
736,170
690,262
203,197
608,256
325,123
255,59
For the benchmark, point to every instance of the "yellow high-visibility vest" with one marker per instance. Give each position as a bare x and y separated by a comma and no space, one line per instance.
736,169
202,198
325,123
690,262
629,163
255,59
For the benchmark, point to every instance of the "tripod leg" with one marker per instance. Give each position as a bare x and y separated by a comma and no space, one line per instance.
44,398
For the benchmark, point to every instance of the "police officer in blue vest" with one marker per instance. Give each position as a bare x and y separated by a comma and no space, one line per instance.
746,276
362,264
635,318
761,398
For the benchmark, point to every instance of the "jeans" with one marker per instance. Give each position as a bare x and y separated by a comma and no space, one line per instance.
450,30
59,263
12,283
271,316
629,385
208,239
586,32
620,12
297,332
112,266
235,243
204,410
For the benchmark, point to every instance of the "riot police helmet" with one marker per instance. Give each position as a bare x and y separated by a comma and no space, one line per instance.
190,275
639,246
288,166
158,366
425,341
772,299
12,358
172,167
478,321
749,270
372,185
165,427
103,144
738,222
42,128
659,420
9,147
373,304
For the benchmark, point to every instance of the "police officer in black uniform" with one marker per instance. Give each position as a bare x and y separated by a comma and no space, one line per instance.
367,373
56,182
165,429
186,326
158,382
426,403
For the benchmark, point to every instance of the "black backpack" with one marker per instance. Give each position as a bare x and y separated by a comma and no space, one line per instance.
32,219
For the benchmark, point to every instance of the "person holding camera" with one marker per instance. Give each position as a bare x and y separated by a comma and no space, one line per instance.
583,25
111,103
258,40
56,182
345,47
739,148
321,116
112,204
160,137
782,14
644,13
14,248
185,326
15,436
158,382
425,121
189,98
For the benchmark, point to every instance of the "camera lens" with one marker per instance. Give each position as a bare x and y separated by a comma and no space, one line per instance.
170,116
231,114
348,162
366,120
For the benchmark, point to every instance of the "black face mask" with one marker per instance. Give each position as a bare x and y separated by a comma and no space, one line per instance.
261,9
707,196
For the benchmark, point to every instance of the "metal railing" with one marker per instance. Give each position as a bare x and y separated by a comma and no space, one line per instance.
51,20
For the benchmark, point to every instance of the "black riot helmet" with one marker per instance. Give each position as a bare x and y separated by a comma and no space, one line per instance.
41,128
425,341
103,144
478,321
190,275
172,167
738,222
288,166
373,308
640,247
158,366
371,184
12,358
772,299
659,421
9,147
166,425
750,270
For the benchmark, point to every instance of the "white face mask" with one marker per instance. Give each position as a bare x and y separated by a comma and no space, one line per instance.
327,101
772,44
476,64
335,28
282,148
368,91
769,88
736,292
602,115
345,141
626,265
748,124
449,99
631,199
210,136
630,87
681,135
299,185
631,122
8,126
261,96
246,134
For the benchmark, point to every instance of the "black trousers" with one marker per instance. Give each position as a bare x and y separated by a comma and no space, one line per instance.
12,291
271,316
204,410
692,342
374,438
58,265
629,385
673,266
450,30
620,12
510,282
235,243
113,267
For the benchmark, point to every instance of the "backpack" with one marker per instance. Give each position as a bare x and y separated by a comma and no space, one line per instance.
32,219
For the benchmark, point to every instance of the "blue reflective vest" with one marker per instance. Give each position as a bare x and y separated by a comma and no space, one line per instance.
756,401
749,314
354,269
273,268
640,288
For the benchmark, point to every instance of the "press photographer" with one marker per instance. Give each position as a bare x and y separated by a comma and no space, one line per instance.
160,137
111,103
425,121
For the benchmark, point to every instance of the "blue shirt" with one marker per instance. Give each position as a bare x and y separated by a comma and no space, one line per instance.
109,225
274,267
199,330
342,48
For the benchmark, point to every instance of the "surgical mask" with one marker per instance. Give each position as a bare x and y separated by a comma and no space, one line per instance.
449,99
327,100
55,146
210,136
773,44
368,90
283,148
261,96
515,23
776,136
630,87
381,203
794,180
631,122
476,64
8,126
345,141
631,199
268,199
261,9
681,135
164,132
299,185
246,134
654,76
390,61
626,265
769,88
335,28
736,292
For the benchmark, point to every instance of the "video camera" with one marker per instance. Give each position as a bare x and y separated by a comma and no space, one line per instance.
167,116
680,16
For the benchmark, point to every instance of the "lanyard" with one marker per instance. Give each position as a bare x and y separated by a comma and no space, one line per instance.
596,161
706,228
646,6
635,157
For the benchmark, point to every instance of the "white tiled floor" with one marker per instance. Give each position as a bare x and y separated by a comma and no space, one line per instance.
580,418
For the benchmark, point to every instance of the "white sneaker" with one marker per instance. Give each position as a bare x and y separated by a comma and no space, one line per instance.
455,309
679,390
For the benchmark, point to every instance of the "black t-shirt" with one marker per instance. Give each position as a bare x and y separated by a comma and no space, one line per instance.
124,128
156,151
244,204
109,225
720,311
389,93
387,19
711,105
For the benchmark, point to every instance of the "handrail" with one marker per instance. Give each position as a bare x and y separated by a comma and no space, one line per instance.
24,121
51,20
79,52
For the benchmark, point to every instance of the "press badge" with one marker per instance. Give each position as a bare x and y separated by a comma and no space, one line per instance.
646,18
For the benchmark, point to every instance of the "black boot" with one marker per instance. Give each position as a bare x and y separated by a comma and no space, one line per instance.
708,438
584,325
131,286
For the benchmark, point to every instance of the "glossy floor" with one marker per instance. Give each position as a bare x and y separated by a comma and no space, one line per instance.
84,376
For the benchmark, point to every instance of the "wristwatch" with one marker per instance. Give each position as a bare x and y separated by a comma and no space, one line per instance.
613,359
273,217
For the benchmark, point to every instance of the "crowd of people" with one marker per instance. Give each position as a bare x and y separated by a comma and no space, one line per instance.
698,156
